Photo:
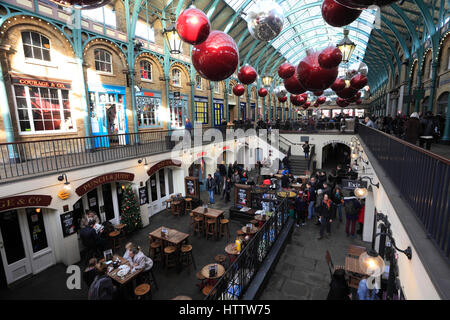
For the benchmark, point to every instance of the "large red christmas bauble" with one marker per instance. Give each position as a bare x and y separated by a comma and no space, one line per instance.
297,100
341,102
262,92
347,92
356,4
238,89
318,93
286,70
307,104
292,85
193,26
282,99
358,94
312,76
358,101
358,81
217,57
247,74
330,57
337,15
338,85
305,96
321,100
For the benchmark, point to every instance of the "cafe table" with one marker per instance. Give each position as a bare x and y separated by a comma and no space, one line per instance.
128,277
261,219
296,186
211,214
252,230
232,252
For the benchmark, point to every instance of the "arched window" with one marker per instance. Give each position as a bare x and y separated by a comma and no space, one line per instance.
103,60
442,104
146,70
176,77
35,46
216,87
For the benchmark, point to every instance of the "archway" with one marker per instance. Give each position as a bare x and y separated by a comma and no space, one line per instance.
335,154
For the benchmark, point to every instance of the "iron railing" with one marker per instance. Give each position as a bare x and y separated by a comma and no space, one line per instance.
420,176
25,158
237,278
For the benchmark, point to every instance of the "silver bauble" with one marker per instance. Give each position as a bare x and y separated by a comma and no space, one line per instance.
265,20
280,91
358,67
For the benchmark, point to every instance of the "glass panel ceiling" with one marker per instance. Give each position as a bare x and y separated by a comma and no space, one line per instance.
309,30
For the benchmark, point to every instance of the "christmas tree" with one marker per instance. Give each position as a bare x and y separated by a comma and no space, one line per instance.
131,213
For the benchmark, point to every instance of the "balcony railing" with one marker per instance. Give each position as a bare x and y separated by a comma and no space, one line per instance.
238,277
20,159
420,176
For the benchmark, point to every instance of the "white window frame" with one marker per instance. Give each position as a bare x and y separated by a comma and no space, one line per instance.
111,63
151,71
35,60
216,87
179,78
30,113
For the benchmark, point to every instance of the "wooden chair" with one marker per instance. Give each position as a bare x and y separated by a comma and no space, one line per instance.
198,224
220,259
155,250
207,289
224,228
187,258
202,280
210,227
176,208
170,257
188,204
330,264
115,241
142,291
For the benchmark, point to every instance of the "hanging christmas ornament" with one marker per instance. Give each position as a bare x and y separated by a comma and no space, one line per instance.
282,99
358,81
265,20
338,85
358,101
305,96
337,15
238,90
280,91
292,84
321,100
312,76
341,102
347,92
358,67
356,4
318,93
286,70
193,26
217,57
307,104
247,74
82,4
262,92
330,57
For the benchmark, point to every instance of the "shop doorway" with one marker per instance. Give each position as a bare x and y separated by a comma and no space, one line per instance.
25,243
334,154
161,187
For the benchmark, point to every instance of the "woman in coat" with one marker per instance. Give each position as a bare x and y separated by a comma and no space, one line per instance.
412,129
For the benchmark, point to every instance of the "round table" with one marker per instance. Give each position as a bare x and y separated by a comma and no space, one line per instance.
181,298
231,250
286,194
252,230
220,271
260,217
296,185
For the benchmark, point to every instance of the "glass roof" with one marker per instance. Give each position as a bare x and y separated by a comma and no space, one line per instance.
309,30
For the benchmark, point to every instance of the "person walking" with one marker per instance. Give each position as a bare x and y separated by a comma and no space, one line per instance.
326,216
351,213
210,185
361,217
301,208
217,181
227,190
412,129
311,196
338,200
306,149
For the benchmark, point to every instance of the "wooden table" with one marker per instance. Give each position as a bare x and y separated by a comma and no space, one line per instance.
220,271
181,298
128,277
212,214
231,250
296,185
352,266
251,232
174,237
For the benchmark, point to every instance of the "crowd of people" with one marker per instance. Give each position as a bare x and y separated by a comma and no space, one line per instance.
423,128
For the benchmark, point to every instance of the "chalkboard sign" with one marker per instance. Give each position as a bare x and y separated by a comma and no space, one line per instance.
242,195
68,224
143,196
192,187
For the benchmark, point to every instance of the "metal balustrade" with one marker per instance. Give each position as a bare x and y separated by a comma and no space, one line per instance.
420,176
237,278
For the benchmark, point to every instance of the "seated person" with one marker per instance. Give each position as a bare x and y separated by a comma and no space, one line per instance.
128,247
139,260
90,215
90,272
102,287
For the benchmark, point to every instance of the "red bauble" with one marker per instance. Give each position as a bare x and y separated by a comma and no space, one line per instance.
358,94
337,15
247,74
307,104
351,99
217,57
312,76
341,102
321,100
316,104
297,100
305,96
238,90
193,26
282,99
358,81
358,101
338,85
262,92
356,4
286,70
330,57
318,93
292,84
347,93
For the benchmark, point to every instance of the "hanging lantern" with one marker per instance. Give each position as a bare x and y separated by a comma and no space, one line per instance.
173,39
265,20
217,57
286,70
337,15
238,90
247,74
346,46
267,80
193,26
262,92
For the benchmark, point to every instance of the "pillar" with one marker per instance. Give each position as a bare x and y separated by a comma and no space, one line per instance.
446,136
434,67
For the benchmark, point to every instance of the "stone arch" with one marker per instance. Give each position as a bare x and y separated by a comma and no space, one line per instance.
107,45
182,68
156,65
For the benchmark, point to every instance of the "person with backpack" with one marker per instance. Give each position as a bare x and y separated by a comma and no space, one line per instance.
352,207
102,287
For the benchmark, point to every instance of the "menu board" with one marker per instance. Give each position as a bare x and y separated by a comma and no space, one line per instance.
242,195
143,196
192,187
68,224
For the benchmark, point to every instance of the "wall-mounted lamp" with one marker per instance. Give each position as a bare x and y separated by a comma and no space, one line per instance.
361,193
145,163
63,177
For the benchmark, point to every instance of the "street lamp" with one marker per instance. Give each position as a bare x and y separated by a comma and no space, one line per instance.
361,193
172,38
346,46
267,80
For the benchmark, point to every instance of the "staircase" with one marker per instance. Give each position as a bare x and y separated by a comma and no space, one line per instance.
299,165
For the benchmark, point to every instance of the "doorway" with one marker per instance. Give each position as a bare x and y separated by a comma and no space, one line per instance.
25,244
334,154
161,187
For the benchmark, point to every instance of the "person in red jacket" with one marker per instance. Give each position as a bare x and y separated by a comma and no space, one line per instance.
361,217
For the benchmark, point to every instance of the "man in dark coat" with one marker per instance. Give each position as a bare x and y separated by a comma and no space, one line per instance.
412,129
326,215
426,137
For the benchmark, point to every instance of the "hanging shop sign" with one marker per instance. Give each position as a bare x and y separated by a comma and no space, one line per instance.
106,178
163,164
43,82
25,201
353,184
